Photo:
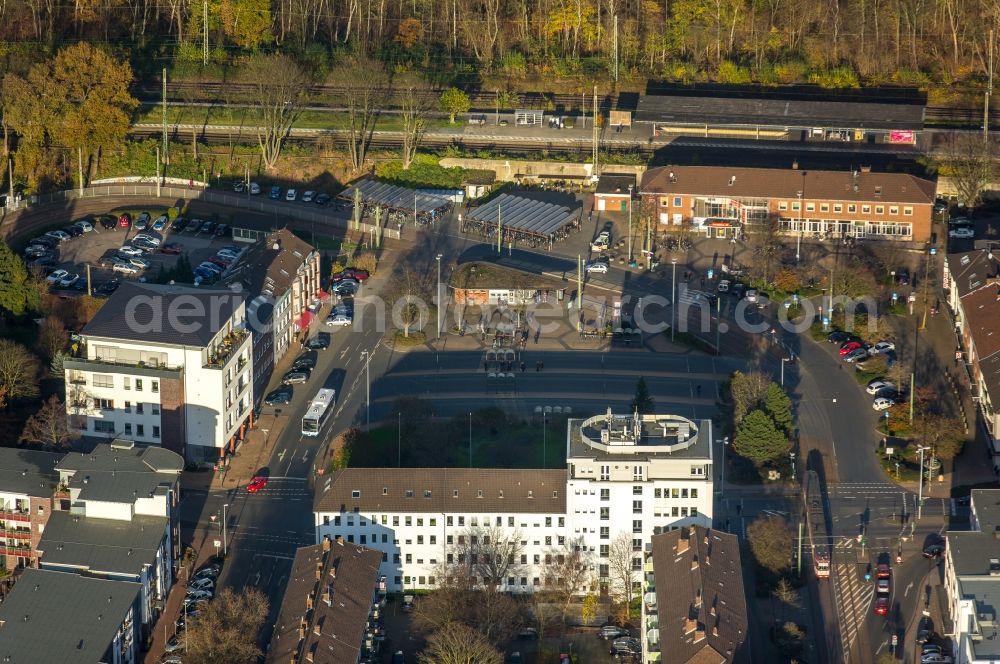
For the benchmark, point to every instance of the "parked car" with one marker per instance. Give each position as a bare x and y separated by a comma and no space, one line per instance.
140,263
275,193
142,221
882,606
306,361
751,295
254,189
107,288
611,632
882,586
291,195
205,274
179,224
355,273
145,246
45,241
320,342
338,321
280,396
125,268
882,347
877,385
160,223
933,550
841,337
129,250
240,186
345,289
200,594
855,355
307,197
210,266
849,347
208,228
961,233
124,220
56,276
68,280
256,484
222,230
940,207
59,236
37,251
172,248
84,225
528,633
108,222
323,200
192,226
203,583
930,649
723,286
599,267
903,276
43,263
173,644
214,260
211,571
146,237
73,231
925,629
296,376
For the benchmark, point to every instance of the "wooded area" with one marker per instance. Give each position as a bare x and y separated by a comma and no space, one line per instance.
837,43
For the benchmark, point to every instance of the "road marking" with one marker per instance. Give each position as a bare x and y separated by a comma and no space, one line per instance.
907,591
281,455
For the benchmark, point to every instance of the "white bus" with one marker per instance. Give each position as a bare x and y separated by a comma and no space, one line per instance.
319,409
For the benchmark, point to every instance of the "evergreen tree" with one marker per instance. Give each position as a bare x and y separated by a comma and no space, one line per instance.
758,439
642,401
779,407
18,294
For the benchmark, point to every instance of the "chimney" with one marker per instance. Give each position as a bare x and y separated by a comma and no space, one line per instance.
309,601
333,571
276,245
340,540
732,180
795,165
694,562
699,635
673,178
302,627
309,655
715,630
682,545
319,571
326,543
690,625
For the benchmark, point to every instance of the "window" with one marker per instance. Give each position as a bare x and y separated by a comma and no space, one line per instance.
336,520
810,207
677,201
636,564
684,493
450,521
420,523
637,544
636,507
409,558
434,522
450,558
104,404
782,205
605,473
604,571
866,209
605,513
694,511
461,521
128,383
684,511
852,208
893,210
548,522
104,380
538,559
605,532
384,519
907,212
420,539
397,579
138,409
879,209
128,406
605,550
155,408
156,431
637,526
155,386
795,205
675,493
103,426
838,207
510,522
824,207
694,493
664,202
128,428
674,511
605,494
434,539
138,385
355,493
562,521
697,470
637,491
409,520
658,493
395,521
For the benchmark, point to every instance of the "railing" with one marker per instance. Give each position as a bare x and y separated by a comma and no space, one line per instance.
120,363
16,534
227,348
15,549
255,203
15,515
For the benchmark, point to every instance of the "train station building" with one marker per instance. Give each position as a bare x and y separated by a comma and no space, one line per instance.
724,202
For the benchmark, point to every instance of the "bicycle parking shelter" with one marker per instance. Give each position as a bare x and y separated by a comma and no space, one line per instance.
399,199
522,219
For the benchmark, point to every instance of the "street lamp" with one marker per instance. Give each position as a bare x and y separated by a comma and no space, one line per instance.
783,360
673,299
438,258
798,242
225,550
544,440
368,387
920,495
791,456
630,224
722,480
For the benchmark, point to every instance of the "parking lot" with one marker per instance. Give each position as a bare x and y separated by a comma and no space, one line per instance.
97,248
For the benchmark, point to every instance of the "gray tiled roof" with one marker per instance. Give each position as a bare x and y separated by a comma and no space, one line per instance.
29,472
615,183
262,269
143,311
443,490
970,270
341,623
119,474
704,583
60,618
102,545
986,504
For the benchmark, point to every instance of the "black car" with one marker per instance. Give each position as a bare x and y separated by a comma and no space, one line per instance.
322,200
49,242
208,227
108,222
221,230
925,630
75,231
933,550
180,223
45,264
192,226
107,288
282,395
306,361
903,276
839,337
320,342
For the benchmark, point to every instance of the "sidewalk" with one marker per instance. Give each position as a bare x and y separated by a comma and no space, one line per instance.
935,604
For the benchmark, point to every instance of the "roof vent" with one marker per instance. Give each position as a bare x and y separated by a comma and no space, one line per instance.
673,178
732,180
994,567
276,245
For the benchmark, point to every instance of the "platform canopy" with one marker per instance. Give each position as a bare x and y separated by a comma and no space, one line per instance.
525,215
395,197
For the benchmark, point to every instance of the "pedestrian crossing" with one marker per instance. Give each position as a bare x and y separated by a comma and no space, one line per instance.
853,598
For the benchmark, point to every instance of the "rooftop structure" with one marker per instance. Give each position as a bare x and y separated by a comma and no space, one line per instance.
525,216
394,197
120,472
60,618
612,436
327,613
102,546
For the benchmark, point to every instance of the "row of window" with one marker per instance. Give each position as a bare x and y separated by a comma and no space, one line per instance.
852,208
140,408
512,581
450,521
108,426
675,492
108,380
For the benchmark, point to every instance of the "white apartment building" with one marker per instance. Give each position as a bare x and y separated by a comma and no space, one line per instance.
165,365
635,476
972,581
626,477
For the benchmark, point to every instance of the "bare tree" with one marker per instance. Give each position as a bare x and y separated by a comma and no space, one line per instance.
278,84
18,370
491,553
49,426
52,337
764,241
968,162
747,391
408,293
567,575
495,615
620,568
365,95
459,644
225,632
413,111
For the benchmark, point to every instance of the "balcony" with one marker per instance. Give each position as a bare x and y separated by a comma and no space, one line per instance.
100,365
226,349
15,549
15,515
15,534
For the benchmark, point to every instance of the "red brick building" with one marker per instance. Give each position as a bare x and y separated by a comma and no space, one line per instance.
29,487
722,201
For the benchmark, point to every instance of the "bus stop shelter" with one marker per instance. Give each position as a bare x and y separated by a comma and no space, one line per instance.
528,116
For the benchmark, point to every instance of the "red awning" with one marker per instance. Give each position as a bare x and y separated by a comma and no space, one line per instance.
305,319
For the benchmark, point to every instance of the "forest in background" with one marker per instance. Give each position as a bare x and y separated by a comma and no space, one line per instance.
562,45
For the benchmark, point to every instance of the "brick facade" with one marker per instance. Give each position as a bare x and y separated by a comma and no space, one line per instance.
172,414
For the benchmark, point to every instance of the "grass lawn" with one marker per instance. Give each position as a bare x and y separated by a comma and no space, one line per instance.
517,445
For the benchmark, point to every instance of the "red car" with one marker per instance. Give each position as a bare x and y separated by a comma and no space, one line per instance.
849,347
882,606
218,261
125,220
351,273
256,484
173,248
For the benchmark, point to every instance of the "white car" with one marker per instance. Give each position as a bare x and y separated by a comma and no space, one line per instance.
140,263
226,254
124,268
877,386
883,403
56,276
61,236
146,237
882,347
958,221
597,266
129,250
211,266
254,189
339,321
961,233
201,584
751,295
84,226
200,594
723,286
308,196
69,280
291,195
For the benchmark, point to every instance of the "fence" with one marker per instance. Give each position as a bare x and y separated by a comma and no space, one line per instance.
232,200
